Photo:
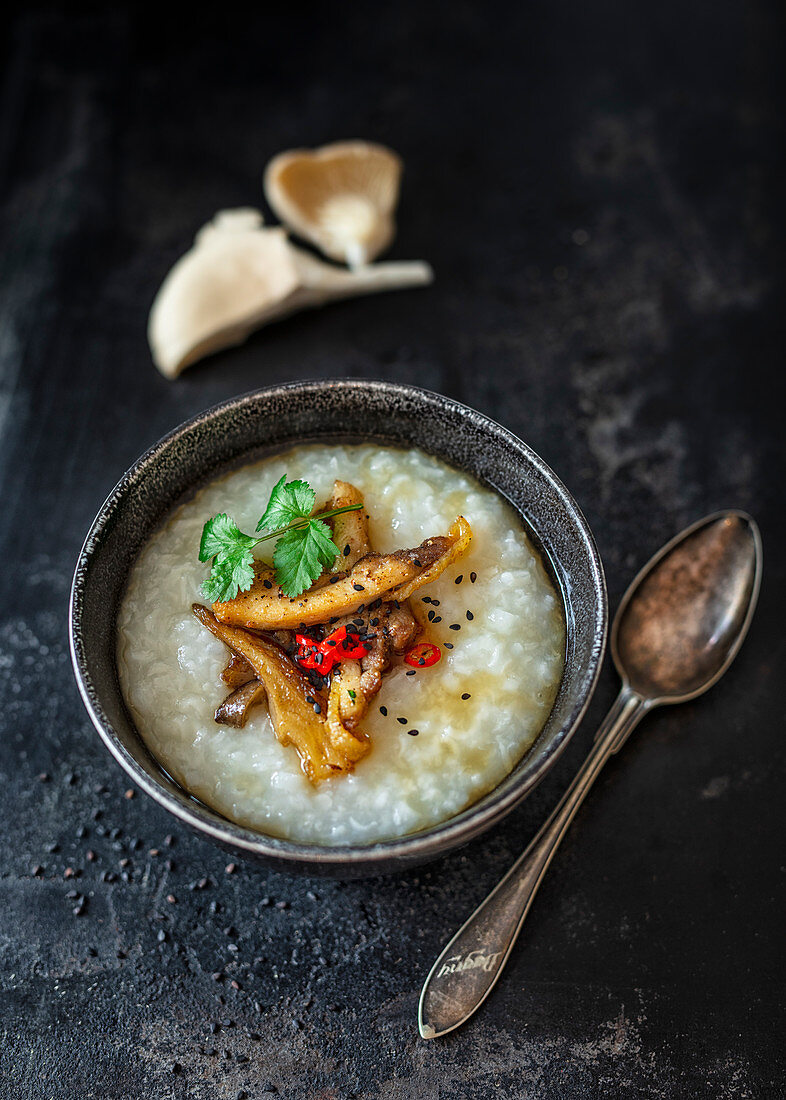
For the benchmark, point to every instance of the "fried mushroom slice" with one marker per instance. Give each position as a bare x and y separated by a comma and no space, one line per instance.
390,629
458,540
237,672
350,529
324,749
376,576
345,683
235,708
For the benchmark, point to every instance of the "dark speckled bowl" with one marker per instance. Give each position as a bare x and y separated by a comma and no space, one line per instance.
249,427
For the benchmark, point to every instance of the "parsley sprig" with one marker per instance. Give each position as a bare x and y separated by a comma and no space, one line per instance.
304,545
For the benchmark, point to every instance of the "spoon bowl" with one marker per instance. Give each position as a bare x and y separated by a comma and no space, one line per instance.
683,618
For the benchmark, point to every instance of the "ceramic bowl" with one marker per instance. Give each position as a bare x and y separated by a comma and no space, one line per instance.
249,427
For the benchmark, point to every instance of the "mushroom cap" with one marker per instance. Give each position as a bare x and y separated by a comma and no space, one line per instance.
341,197
236,273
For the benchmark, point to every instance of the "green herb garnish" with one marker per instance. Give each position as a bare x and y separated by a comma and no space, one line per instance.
303,549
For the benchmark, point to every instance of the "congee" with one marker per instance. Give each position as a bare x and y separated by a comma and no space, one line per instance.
340,644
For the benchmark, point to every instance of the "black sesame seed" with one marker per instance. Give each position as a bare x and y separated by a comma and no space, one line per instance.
455,626
413,733
374,622
473,577
358,587
466,695
426,599
448,645
418,565
334,579
317,708
437,618
459,578
383,711
403,721
431,615
435,603
267,584
358,622
470,616
346,551
411,672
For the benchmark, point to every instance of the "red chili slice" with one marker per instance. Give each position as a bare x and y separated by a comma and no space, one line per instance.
423,655
324,655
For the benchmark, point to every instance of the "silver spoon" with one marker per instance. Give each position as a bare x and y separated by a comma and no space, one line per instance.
677,630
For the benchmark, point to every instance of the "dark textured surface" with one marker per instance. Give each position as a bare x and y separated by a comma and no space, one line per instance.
282,416
599,188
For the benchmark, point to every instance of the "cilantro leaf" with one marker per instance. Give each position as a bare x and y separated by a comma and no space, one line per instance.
222,536
304,545
288,503
300,556
228,576
233,563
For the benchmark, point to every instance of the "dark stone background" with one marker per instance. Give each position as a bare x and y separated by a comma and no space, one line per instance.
599,188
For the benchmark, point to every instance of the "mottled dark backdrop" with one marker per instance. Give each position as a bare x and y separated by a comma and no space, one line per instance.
599,187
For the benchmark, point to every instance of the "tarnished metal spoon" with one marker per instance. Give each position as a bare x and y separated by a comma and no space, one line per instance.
677,630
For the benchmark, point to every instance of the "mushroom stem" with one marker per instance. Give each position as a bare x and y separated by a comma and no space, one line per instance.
327,283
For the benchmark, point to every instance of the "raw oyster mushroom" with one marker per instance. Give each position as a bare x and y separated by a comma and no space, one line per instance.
239,276
341,197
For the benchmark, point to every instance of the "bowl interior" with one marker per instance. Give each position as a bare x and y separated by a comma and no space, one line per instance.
249,427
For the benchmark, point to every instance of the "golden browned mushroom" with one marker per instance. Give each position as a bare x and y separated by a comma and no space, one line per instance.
350,529
324,750
376,576
237,672
235,708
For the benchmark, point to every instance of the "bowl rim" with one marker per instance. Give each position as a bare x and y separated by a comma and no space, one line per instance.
378,857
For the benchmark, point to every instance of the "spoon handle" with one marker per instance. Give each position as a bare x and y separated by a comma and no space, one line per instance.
468,968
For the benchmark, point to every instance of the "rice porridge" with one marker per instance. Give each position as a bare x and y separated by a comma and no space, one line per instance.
493,613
